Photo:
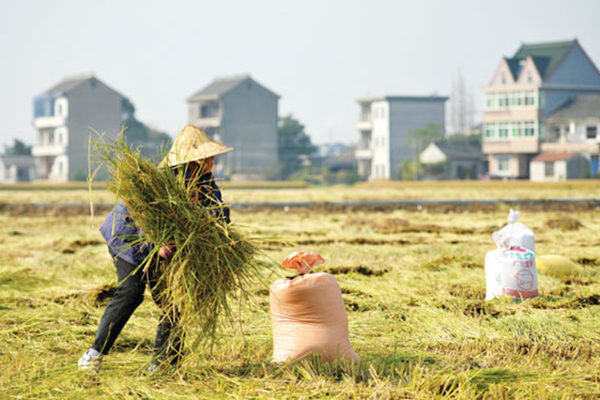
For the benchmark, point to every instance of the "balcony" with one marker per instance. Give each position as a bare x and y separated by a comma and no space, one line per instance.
556,147
210,122
49,122
48,150
512,114
363,154
364,125
514,146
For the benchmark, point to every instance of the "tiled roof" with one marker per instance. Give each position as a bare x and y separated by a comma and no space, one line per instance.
19,161
69,83
578,107
546,56
460,150
550,157
515,66
221,85
370,99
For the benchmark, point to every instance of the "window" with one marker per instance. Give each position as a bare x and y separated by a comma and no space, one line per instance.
549,169
209,109
503,131
490,130
517,99
591,131
503,100
503,163
60,167
516,129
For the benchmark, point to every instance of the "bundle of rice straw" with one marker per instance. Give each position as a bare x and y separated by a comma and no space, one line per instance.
213,263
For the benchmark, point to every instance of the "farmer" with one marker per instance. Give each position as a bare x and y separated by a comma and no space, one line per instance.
192,153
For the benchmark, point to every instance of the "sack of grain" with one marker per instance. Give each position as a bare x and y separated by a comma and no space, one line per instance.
309,316
511,272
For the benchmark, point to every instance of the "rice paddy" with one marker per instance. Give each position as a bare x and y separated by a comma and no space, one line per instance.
413,284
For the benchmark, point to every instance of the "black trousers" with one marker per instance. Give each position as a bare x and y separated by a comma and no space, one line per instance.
128,296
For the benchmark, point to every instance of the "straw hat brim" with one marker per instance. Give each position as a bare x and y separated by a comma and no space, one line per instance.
175,158
192,144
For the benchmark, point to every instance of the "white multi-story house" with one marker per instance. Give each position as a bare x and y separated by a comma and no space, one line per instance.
385,124
241,113
64,117
524,94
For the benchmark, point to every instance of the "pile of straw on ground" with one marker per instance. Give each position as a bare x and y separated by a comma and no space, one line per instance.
214,262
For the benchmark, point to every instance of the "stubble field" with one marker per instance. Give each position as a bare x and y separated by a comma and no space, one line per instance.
413,284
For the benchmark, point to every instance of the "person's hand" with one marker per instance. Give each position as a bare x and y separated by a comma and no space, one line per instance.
166,252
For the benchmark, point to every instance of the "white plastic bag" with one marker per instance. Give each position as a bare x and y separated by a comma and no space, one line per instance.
515,234
511,272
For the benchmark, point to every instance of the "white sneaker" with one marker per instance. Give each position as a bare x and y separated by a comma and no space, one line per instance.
90,361
152,368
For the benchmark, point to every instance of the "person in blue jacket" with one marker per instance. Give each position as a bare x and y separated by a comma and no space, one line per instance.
193,151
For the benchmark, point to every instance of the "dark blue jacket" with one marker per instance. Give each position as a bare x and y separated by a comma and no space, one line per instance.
119,229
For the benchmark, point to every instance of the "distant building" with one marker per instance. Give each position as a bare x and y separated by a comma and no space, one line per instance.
384,125
331,149
558,166
448,160
575,127
344,160
16,169
243,114
525,91
64,116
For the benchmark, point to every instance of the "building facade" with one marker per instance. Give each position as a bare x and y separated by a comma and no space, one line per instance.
558,166
525,90
385,124
453,161
575,128
16,168
243,114
64,117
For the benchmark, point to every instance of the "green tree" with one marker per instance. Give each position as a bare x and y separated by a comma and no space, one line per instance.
425,135
17,149
141,135
409,171
293,142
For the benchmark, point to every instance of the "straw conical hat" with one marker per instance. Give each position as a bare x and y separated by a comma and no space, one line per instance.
192,144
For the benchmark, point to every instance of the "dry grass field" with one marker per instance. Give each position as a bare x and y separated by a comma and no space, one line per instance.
413,284
275,192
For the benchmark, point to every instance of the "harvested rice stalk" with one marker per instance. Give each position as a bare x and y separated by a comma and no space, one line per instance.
214,262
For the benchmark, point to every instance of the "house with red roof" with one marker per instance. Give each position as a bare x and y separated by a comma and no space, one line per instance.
558,166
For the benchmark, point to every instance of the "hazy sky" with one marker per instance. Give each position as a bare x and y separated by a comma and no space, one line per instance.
319,56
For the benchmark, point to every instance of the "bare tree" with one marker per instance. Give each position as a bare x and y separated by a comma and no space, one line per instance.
462,105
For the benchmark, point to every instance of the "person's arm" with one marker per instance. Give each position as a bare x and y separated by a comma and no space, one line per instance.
222,210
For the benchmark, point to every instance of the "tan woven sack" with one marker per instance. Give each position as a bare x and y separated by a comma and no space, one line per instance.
309,317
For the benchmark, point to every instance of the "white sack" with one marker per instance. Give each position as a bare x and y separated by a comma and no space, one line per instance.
511,272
